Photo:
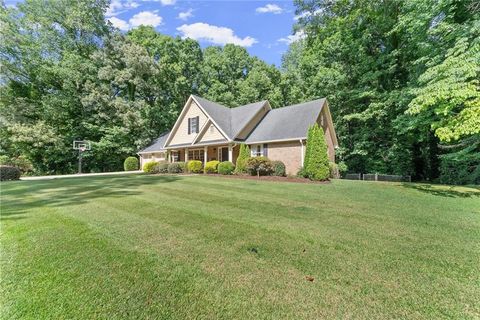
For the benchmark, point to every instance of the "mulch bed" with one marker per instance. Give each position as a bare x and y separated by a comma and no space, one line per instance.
270,178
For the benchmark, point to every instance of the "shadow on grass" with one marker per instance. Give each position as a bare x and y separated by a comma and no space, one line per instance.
19,196
445,191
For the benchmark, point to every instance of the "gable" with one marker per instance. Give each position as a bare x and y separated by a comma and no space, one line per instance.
180,133
210,133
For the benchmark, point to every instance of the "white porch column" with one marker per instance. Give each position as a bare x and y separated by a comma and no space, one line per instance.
169,156
186,155
205,154
230,153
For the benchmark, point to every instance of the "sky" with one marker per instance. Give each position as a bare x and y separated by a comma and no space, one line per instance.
264,28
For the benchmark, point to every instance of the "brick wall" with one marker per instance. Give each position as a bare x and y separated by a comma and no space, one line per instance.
287,152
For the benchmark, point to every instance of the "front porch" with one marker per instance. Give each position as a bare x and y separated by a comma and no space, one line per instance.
225,152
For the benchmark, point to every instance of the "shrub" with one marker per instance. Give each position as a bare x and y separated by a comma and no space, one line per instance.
259,166
9,173
130,164
226,167
211,166
316,164
20,162
162,167
279,169
342,168
243,155
194,166
334,172
176,167
301,173
150,167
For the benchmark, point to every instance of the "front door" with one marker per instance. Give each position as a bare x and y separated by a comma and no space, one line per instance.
223,154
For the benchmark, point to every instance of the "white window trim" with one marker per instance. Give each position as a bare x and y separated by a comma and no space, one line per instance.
201,153
254,150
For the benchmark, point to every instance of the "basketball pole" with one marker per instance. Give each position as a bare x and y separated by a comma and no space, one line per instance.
79,160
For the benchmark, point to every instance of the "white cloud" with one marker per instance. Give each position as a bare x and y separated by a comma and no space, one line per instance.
307,14
119,23
269,8
214,34
118,6
185,15
293,37
146,18
168,2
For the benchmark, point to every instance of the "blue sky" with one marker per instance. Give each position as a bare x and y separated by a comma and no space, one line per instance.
264,28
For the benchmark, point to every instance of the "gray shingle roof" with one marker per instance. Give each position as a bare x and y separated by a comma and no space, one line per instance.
230,120
158,144
290,122
287,123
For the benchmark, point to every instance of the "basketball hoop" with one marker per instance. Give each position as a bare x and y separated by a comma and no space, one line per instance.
81,146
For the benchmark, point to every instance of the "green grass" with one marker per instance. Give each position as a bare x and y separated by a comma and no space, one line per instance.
159,247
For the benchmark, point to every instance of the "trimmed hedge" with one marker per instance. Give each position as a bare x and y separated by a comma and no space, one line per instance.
176,167
211,166
194,166
150,167
226,167
260,166
130,164
9,173
162,167
279,169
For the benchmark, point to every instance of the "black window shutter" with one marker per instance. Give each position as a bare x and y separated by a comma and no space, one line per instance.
198,122
265,150
189,125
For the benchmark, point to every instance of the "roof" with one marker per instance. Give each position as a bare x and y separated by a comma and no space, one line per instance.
287,123
230,120
158,144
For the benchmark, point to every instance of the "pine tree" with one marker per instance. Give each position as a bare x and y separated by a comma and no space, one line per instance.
316,165
243,155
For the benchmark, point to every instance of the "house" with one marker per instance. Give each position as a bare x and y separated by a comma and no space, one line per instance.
208,131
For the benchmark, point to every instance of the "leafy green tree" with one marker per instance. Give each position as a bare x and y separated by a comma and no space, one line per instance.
317,166
243,155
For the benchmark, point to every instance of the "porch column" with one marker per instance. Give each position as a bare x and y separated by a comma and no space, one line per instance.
230,153
205,153
168,156
186,155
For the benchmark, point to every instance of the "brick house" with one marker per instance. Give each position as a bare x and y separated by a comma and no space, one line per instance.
208,131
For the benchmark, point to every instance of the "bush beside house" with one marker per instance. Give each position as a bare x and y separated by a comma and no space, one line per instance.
211,166
150,167
243,156
162,167
259,166
130,164
316,158
176,167
9,173
226,168
194,166
278,169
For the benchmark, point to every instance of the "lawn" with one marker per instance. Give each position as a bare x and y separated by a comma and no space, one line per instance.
160,247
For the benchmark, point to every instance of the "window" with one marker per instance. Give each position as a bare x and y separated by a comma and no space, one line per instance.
193,125
175,156
197,154
256,150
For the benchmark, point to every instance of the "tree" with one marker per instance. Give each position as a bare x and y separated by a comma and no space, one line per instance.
317,167
243,155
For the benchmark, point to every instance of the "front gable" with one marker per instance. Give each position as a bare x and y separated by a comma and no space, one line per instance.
209,133
180,134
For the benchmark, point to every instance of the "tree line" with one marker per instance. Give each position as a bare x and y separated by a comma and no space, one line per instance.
401,78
